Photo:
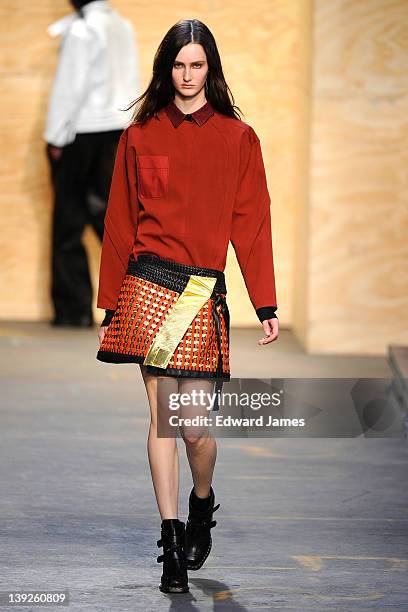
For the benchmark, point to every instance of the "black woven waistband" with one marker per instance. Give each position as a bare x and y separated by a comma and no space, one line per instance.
172,274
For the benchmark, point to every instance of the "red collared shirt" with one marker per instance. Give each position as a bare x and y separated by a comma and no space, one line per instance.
183,186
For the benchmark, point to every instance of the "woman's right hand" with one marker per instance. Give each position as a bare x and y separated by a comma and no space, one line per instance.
101,333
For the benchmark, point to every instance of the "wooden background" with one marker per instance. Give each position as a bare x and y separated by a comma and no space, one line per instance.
324,84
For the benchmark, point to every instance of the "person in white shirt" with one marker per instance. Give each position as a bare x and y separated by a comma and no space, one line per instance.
97,77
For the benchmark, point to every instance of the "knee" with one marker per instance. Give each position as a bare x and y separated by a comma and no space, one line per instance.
191,440
195,441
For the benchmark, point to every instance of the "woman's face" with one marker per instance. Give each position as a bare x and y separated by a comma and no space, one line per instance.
190,70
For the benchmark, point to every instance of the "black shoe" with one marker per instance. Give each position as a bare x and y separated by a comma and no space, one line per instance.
174,578
198,532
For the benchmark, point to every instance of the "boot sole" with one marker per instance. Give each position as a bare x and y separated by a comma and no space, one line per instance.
196,566
174,589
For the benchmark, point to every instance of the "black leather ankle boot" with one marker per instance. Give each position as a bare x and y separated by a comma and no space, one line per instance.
198,532
174,578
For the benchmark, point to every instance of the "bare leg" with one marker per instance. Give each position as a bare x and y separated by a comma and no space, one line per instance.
162,453
201,447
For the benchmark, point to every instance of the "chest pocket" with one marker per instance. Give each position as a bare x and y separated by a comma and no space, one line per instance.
153,175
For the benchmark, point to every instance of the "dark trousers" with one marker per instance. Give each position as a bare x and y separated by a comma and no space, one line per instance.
81,180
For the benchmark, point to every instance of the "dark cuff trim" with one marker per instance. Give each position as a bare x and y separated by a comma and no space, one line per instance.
266,312
108,317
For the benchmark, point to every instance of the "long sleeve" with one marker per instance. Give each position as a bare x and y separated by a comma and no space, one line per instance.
120,226
251,234
70,84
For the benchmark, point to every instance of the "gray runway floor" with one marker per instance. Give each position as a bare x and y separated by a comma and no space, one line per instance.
304,524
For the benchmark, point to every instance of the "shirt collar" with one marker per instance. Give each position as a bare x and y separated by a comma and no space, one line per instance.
177,116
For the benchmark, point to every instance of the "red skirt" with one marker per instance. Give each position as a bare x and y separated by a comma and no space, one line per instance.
171,317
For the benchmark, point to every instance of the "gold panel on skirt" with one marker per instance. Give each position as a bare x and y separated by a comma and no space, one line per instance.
197,291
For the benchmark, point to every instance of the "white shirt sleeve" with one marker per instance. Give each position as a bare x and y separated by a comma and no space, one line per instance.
70,85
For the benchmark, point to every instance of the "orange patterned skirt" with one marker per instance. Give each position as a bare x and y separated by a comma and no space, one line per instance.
171,317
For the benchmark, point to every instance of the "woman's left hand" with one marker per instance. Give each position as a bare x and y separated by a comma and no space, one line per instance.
55,152
101,333
271,329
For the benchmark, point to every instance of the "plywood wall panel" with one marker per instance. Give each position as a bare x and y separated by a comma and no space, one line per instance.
358,273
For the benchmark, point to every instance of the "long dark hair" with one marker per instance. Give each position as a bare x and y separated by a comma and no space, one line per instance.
160,90
78,4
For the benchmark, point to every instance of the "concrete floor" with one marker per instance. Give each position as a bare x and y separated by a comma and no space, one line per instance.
304,524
